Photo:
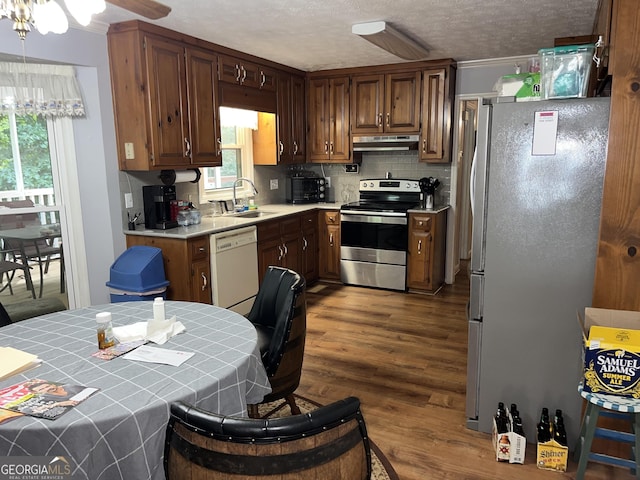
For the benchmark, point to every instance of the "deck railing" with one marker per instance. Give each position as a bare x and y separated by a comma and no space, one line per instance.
39,196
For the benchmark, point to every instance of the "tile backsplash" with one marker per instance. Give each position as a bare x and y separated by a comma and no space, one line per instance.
344,186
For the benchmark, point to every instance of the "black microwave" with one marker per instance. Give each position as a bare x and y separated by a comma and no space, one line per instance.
305,189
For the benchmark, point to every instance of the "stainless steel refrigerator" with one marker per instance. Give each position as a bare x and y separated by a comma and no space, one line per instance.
536,191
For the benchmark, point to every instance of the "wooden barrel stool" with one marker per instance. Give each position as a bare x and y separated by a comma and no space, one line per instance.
610,406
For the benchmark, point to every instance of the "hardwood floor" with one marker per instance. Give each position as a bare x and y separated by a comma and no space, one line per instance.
404,356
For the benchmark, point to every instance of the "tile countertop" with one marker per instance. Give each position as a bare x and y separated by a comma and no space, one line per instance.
221,223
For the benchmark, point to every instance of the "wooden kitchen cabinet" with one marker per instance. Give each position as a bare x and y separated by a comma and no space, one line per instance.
329,139
279,244
426,251
165,100
438,86
248,74
309,247
329,240
291,115
186,265
385,103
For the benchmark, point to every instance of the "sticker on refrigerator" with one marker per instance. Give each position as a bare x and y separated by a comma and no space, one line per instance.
545,133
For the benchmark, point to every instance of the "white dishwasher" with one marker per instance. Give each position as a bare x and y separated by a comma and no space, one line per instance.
234,269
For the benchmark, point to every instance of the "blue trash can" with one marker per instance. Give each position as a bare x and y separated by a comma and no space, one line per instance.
137,275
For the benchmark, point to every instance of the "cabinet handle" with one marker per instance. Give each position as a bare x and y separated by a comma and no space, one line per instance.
331,219
419,247
295,148
424,145
244,74
331,239
281,147
420,223
331,147
326,147
263,79
281,253
187,152
388,119
219,147
305,244
201,249
204,282
380,119
286,250
238,73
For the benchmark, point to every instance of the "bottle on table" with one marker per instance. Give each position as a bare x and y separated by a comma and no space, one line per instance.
105,330
544,426
158,309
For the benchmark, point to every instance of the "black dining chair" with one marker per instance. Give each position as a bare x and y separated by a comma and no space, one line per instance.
9,266
279,314
330,442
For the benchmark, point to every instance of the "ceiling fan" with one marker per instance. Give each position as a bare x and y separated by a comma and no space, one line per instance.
146,8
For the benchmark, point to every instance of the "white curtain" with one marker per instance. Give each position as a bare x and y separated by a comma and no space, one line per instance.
47,90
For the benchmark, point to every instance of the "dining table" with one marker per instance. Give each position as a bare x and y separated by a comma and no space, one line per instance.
119,431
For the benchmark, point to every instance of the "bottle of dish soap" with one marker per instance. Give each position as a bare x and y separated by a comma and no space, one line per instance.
158,309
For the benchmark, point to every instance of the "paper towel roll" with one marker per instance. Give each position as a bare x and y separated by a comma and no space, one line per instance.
169,177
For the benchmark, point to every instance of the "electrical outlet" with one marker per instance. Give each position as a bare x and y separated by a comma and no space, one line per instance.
128,151
128,200
273,184
328,181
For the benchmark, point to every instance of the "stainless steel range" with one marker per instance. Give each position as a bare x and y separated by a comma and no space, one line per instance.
374,233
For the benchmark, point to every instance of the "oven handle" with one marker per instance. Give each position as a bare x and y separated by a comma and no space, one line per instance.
393,218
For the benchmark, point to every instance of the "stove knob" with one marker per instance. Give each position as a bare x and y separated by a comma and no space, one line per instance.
371,184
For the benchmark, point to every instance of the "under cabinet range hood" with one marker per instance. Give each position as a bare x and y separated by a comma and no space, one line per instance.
385,143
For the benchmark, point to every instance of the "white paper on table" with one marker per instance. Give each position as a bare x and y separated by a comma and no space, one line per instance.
145,353
131,333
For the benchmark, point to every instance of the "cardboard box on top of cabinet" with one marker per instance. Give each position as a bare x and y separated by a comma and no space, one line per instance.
611,352
552,456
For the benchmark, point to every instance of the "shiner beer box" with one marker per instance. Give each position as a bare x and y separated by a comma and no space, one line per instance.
611,351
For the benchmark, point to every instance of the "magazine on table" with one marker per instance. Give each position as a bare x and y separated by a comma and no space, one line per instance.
118,349
43,398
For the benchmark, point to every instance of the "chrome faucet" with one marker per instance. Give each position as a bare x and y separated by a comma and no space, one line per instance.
235,184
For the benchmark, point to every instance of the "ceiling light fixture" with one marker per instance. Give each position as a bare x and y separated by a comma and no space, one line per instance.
46,15
388,38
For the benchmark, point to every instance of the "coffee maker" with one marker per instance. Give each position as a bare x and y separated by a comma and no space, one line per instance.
157,206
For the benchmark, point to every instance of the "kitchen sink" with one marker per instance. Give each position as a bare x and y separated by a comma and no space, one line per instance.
251,213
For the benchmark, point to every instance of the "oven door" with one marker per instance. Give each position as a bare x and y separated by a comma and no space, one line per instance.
373,249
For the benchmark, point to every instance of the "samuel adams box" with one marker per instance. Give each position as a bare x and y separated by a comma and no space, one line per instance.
611,351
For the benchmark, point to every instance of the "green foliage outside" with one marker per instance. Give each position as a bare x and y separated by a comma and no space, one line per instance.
33,143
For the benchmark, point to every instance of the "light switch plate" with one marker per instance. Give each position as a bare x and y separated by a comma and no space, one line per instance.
128,151
273,184
128,200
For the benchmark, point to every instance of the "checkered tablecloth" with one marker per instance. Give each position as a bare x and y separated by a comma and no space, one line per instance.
119,432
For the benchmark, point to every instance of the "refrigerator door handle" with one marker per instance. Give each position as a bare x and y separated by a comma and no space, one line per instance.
479,182
472,182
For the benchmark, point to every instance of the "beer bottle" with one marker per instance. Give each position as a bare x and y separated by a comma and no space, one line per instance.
502,422
544,426
559,432
517,424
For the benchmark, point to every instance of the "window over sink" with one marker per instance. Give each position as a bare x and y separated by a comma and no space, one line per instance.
216,183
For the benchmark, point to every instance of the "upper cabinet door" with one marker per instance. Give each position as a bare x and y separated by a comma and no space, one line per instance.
367,104
168,100
318,120
236,70
298,119
435,135
402,102
202,74
339,137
